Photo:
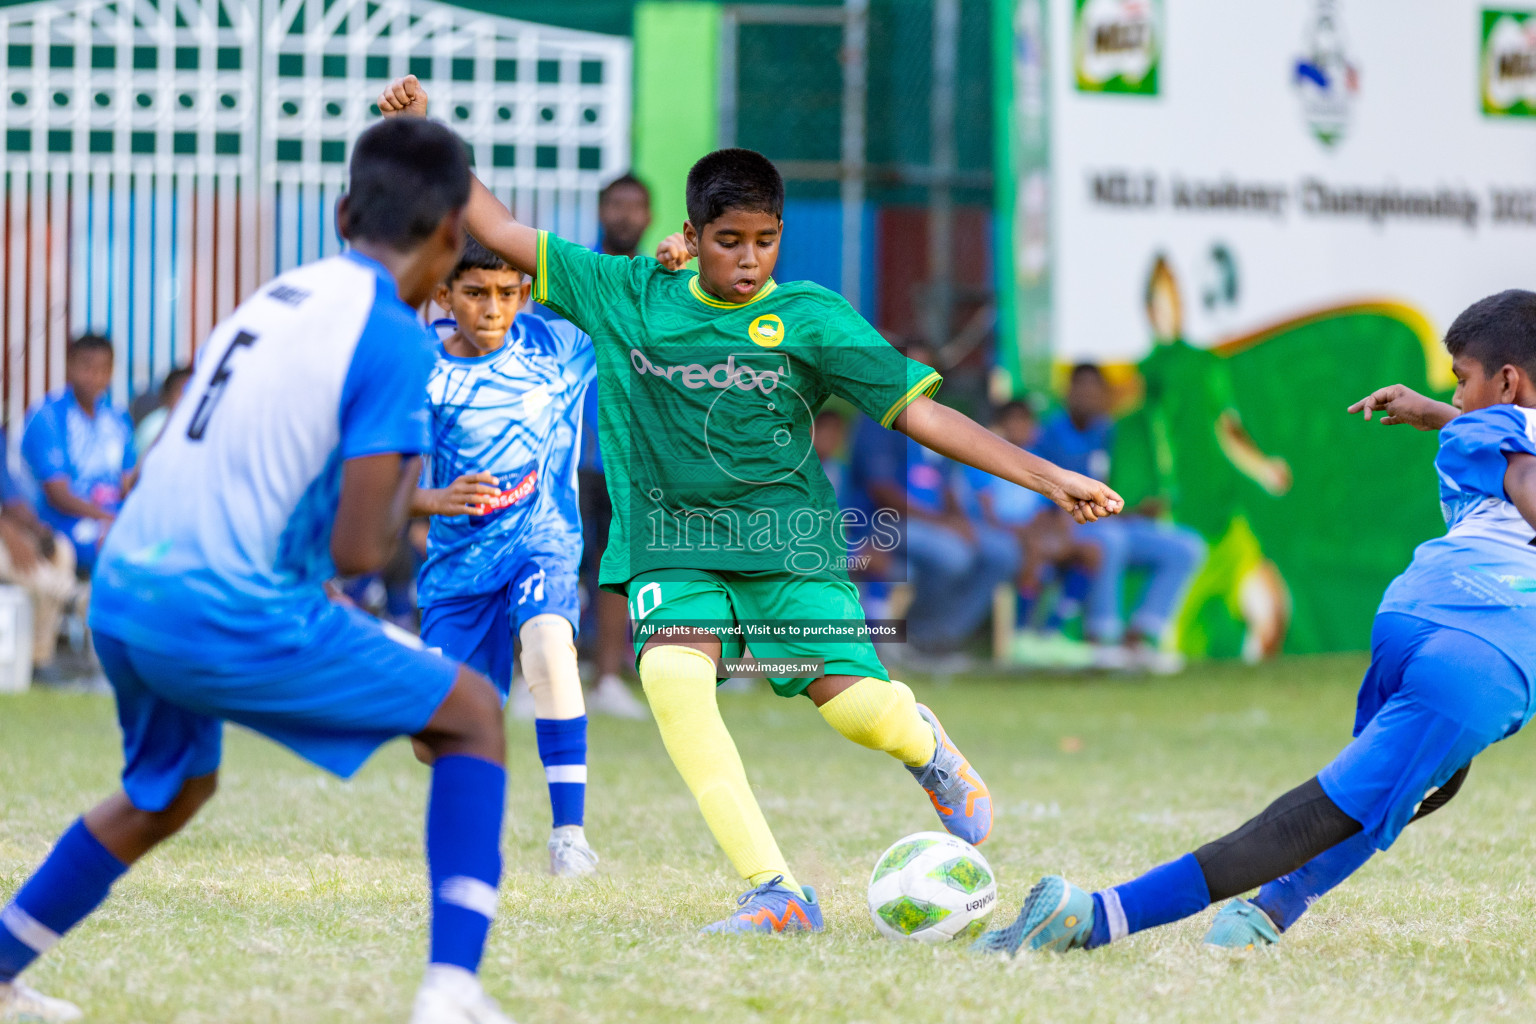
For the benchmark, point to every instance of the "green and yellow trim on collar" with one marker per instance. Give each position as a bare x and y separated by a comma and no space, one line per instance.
927,386
541,270
709,300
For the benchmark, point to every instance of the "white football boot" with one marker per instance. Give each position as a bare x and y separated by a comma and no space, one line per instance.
451,995
569,854
22,1005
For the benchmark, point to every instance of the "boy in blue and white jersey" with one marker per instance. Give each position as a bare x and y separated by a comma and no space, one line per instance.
1453,671
504,547
294,457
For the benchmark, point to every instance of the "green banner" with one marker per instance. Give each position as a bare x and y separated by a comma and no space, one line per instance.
1508,63
1117,45
1023,127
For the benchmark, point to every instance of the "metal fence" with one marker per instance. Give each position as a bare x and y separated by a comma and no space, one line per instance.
163,158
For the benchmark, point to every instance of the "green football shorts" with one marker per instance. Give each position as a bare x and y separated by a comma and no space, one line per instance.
769,614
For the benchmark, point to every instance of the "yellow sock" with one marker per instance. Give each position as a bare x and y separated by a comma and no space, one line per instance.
882,716
679,682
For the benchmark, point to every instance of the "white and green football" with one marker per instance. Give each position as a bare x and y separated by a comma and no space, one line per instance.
932,887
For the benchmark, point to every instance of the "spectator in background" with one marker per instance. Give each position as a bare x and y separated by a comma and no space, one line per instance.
79,448
1080,437
1053,551
623,215
148,430
39,561
954,563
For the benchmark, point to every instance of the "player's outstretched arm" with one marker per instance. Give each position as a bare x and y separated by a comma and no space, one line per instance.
466,496
1401,404
371,512
957,436
485,217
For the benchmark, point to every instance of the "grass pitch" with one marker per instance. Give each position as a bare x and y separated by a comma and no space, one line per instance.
296,897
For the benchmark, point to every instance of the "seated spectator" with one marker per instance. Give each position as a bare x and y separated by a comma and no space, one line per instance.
1079,437
148,431
80,450
1052,550
39,561
953,563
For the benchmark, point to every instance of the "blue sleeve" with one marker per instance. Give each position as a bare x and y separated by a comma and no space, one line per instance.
384,398
44,448
1473,446
574,347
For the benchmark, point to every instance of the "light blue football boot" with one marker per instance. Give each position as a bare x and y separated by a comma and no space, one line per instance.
772,907
1057,915
963,801
1242,925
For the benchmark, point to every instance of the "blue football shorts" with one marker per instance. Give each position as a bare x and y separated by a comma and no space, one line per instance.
355,684
1433,698
480,629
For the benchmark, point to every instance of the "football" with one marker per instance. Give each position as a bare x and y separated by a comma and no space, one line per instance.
932,887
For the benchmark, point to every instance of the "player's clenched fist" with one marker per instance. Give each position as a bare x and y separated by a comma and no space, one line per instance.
403,96
672,252
1085,498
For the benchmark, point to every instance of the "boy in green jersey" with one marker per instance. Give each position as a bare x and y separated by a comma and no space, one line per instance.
726,534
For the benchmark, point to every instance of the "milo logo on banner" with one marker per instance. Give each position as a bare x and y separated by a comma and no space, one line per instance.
1509,63
1116,45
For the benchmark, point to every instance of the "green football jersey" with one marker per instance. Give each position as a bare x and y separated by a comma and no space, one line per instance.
707,410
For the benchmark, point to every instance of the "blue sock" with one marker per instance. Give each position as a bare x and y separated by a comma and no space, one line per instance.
66,887
1023,608
563,749
1288,897
464,856
1165,894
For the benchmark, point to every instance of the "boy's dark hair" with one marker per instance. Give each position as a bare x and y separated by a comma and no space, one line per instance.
1089,369
89,342
177,376
1015,407
625,180
1497,331
733,179
406,174
478,257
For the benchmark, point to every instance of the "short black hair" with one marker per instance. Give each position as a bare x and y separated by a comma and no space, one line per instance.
89,342
1082,369
1497,331
1015,407
478,257
733,179
625,180
406,174
176,376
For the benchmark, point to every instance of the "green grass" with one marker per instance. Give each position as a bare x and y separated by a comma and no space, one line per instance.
298,897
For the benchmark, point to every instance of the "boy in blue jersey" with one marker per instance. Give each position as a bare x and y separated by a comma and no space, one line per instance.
301,430
506,398
1453,663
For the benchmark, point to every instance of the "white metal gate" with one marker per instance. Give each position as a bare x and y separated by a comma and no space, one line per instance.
163,158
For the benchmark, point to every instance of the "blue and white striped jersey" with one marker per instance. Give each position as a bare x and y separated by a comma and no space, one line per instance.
515,413
227,536
1481,576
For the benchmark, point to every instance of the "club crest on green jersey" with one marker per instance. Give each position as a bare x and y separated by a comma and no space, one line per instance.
767,330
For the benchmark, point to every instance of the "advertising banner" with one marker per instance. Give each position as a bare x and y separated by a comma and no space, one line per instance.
1259,213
